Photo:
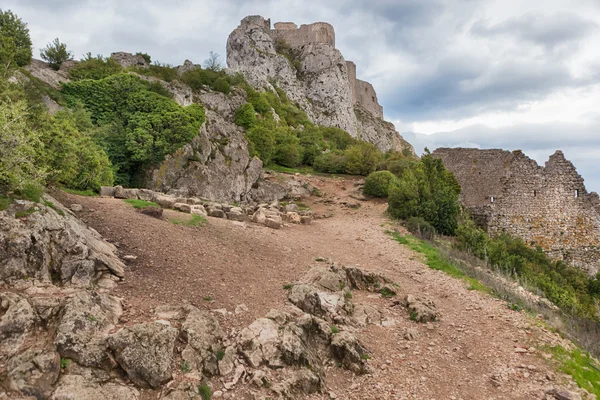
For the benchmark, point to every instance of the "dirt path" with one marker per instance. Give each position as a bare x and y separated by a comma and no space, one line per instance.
469,354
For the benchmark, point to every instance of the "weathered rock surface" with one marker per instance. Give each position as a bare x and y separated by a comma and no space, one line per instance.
204,336
49,247
318,81
145,352
77,387
129,60
421,309
43,72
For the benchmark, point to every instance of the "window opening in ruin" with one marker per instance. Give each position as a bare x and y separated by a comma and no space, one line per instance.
576,193
492,199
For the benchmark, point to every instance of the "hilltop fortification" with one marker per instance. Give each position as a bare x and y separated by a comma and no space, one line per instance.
546,205
304,62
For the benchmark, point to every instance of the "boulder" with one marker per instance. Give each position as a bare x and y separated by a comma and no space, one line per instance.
76,207
165,200
259,216
215,212
291,208
145,352
273,223
119,192
131,193
348,350
84,325
198,209
77,387
293,217
421,309
127,60
306,220
183,207
107,191
236,216
204,337
33,372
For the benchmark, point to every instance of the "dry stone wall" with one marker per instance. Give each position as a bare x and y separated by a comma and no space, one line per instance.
547,206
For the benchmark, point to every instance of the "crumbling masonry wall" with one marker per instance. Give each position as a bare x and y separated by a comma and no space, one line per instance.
546,206
363,92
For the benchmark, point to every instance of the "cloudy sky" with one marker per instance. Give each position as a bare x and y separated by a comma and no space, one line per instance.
507,74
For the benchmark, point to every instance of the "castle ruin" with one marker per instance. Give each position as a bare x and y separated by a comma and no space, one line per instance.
363,93
546,206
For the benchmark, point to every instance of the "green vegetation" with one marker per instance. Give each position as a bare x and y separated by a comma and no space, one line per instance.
139,204
194,220
184,366
56,53
378,183
568,287
245,116
288,286
25,213
52,206
385,292
85,193
205,392
5,202
94,68
64,363
145,56
137,127
220,354
419,227
435,260
335,329
208,298
15,43
429,191
281,47
580,366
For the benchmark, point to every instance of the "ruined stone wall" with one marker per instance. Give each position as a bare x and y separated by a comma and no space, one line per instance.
546,206
319,32
363,92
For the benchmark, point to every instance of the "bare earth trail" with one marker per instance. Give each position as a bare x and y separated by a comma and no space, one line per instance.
473,352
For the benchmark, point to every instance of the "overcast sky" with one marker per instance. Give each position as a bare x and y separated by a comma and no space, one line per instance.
512,74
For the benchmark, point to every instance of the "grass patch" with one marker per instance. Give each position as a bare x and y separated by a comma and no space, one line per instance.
365,357
195,220
386,293
5,202
86,193
335,329
580,365
207,298
64,363
139,204
185,366
52,206
25,213
347,295
435,260
205,392
220,354
288,286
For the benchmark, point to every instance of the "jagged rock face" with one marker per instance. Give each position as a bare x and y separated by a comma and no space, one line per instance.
216,164
321,86
47,246
43,72
129,60
323,92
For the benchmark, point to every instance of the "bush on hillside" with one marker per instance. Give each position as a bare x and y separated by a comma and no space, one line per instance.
418,226
338,138
378,183
262,142
245,116
165,72
288,151
362,158
331,163
94,68
313,144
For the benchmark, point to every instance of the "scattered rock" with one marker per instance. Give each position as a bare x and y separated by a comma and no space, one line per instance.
145,352
183,207
155,212
421,309
76,207
204,336
563,394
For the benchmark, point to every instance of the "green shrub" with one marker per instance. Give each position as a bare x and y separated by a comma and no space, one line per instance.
418,226
94,68
221,85
429,191
262,142
288,151
331,163
15,42
165,72
245,116
138,127
197,78
362,158
56,53
377,184
145,56
338,138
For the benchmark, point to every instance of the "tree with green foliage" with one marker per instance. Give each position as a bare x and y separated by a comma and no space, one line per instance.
262,142
15,42
288,151
18,147
245,116
378,183
313,144
96,68
144,126
333,162
429,191
56,53
362,158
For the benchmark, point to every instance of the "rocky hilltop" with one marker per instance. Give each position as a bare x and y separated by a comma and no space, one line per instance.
313,73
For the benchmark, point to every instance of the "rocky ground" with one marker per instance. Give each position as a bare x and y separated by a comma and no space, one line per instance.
205,292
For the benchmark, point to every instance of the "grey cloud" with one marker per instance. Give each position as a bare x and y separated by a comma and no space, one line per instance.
547,30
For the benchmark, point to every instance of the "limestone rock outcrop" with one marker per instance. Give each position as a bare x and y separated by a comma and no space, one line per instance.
313,74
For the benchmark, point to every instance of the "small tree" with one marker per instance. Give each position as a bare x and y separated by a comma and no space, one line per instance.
213,62
15,43
56,53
